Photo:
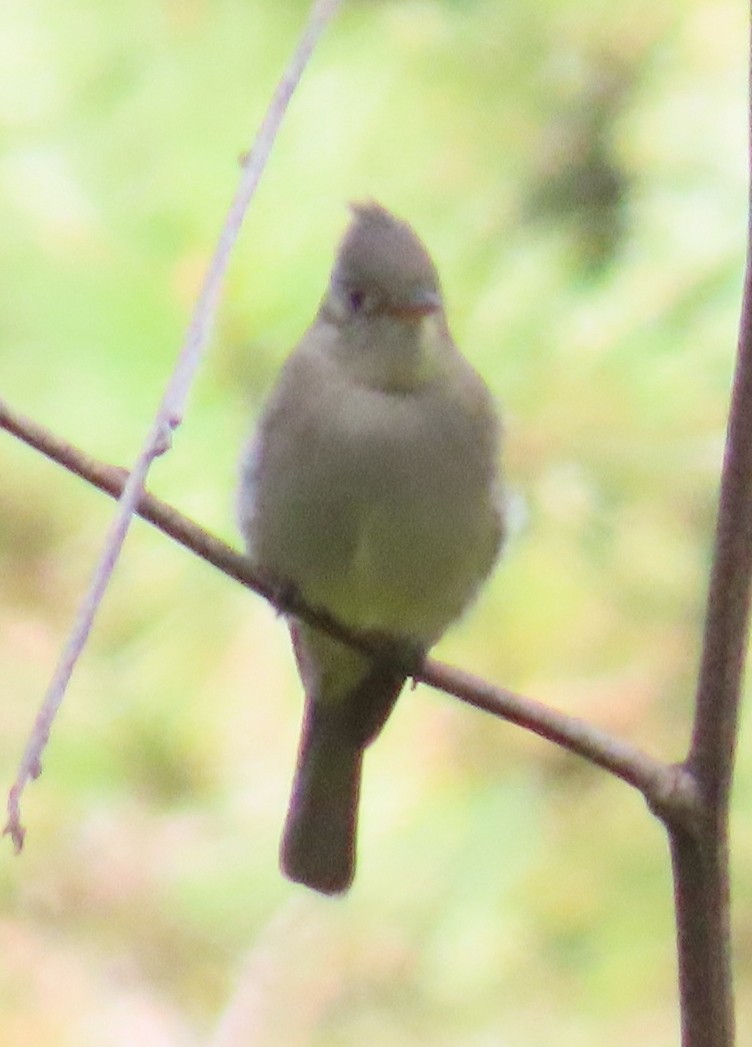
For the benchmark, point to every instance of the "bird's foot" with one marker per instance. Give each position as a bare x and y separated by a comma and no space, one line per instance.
403,654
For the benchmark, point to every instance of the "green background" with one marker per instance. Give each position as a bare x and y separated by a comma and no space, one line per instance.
577,170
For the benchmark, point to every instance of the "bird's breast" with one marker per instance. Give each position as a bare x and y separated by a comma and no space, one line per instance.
399,500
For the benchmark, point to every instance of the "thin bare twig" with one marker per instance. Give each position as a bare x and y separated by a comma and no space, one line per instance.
665,787
171,409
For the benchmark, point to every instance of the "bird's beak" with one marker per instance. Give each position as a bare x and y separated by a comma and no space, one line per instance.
418,305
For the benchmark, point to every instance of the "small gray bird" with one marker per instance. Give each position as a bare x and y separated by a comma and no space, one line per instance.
371,485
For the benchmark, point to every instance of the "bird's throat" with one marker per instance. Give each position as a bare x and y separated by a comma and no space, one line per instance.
407,362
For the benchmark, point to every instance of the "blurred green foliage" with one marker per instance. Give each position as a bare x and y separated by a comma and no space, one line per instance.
578,172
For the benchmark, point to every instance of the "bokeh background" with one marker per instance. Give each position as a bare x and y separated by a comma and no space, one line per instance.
578,172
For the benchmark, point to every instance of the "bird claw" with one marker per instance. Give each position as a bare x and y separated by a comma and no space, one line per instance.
405,654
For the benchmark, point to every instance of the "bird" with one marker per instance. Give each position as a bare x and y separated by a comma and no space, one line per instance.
372,486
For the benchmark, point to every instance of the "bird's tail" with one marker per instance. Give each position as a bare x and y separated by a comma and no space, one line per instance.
318,844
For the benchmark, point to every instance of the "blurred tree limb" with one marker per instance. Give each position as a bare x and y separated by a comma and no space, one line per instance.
169,414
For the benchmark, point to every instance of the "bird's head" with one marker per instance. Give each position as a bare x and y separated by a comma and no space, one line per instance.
385,300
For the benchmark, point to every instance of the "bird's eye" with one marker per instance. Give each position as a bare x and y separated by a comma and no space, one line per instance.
356,299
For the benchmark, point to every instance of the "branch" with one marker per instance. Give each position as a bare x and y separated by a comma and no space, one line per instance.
701,860
171,409
665,787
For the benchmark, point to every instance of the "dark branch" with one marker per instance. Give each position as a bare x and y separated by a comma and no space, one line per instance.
701,859
727,617
665,787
